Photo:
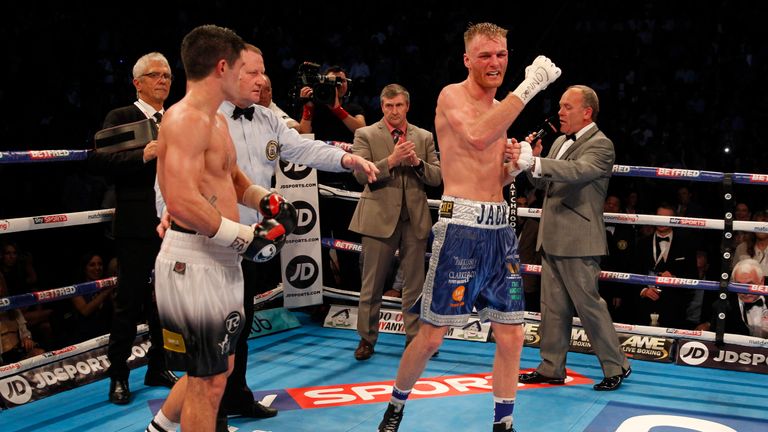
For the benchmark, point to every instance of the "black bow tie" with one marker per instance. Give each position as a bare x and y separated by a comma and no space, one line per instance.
571,137
244,112
662,239
759,303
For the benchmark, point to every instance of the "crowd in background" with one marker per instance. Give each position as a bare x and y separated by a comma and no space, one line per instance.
679,83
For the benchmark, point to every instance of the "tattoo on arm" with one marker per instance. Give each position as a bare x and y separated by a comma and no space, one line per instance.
212,200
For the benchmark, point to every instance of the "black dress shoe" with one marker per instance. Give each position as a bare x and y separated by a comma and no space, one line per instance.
537,378
614,382
163,378
221,424
253,409
119,393
364,350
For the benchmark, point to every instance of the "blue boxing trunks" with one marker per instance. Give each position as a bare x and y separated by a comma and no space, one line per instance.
474,264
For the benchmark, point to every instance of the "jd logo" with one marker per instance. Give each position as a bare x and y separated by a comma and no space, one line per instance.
302,271
307,217
694,353
294,171
16,390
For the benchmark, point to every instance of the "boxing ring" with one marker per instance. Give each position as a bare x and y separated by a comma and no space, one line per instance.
308,372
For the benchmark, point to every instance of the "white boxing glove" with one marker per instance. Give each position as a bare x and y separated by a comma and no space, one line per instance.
541,73
524,162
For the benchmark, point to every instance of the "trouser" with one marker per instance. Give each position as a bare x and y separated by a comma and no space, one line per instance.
134,301
258,278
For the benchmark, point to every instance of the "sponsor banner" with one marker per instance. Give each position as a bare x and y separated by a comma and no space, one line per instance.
638,347
55,221
730,357
380,392
54,294
627,417
337,395
270,321
57,376
301,255
391,321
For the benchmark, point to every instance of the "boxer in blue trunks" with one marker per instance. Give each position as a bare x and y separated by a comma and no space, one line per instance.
474,260
474,265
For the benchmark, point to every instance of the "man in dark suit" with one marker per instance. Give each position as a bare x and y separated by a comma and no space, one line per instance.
528,232
669,253
621,253
745,313
392,212
574,176
135,221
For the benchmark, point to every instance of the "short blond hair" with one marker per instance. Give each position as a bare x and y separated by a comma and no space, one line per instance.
487,29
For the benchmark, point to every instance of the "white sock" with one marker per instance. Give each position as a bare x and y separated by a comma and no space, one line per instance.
161,424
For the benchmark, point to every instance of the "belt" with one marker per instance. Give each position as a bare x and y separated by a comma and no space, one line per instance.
179,228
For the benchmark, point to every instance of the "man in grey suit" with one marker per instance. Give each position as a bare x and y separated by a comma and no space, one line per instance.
392,212
575,177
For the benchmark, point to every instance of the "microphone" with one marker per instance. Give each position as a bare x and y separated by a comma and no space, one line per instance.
546,127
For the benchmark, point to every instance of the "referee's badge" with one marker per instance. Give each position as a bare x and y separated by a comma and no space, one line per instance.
272,150
621,244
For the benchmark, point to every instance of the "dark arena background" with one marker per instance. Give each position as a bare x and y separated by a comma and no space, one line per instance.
682,88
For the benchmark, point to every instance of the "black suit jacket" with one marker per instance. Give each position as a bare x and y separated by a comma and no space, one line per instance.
681,263
135,215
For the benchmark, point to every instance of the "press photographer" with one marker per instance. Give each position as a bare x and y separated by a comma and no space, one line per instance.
334,119
326,112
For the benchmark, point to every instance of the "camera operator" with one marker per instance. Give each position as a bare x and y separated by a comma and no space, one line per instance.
328,115
331,122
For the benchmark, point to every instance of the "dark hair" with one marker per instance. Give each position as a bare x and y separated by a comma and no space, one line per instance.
83,264
336,69
204,46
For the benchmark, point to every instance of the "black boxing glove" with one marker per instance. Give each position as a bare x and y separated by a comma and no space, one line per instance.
274,206
268,239
258,243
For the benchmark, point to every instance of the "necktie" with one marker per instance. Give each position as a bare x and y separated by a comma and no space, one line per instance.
158,117
244,112
571,137
396,134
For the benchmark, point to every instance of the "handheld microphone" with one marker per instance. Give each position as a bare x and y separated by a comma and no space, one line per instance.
546,127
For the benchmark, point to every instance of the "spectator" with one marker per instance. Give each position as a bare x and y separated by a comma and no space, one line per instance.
687,206
89,315
756,244
746,312
621,250
16,340
21,278
528,232
668,253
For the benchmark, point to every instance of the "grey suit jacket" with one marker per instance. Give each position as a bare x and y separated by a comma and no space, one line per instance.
378,210
576,184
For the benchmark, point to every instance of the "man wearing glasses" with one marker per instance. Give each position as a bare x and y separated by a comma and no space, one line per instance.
137,244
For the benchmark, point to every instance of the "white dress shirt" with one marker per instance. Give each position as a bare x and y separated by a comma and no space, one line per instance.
265,139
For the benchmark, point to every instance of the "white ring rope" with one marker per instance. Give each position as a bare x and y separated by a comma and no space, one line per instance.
98,216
